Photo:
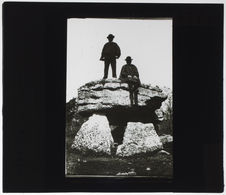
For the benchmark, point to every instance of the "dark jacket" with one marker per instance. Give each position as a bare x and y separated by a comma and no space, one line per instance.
129,70
110,51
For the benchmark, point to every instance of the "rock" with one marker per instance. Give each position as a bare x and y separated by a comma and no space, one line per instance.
167,105
113,127
163,152
104,95
94,135
130,173
139,138
166,139
160,114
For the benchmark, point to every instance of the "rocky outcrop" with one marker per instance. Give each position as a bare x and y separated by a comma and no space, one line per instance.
114,121
94,135
111,94
139,138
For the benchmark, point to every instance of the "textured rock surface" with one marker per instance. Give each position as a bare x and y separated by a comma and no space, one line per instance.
166,139
104,95
165,112
94,135
139,138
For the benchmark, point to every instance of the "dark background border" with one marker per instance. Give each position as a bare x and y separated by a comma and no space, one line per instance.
34,94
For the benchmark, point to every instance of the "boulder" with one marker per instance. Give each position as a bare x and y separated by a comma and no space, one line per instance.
165,139
107,95
165,112
94,135
139,138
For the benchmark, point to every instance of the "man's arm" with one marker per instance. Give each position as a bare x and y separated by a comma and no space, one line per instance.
118,51
136,75
103,53
136,71
123,73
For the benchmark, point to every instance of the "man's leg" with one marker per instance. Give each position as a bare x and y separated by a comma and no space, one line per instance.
136,97
106,67
131,93
113,67
135,92
131,97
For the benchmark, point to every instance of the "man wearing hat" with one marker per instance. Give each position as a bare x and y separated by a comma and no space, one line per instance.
110,53
130,75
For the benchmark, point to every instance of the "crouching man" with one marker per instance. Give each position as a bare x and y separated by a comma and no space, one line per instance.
130,75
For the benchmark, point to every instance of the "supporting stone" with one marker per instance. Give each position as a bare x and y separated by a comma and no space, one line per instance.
139,138
94,135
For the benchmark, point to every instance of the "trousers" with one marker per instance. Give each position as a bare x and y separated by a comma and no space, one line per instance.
107,62
133,90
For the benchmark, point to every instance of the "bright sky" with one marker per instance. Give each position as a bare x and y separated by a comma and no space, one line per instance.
148,42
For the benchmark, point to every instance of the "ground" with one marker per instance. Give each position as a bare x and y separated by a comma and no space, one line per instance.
157,164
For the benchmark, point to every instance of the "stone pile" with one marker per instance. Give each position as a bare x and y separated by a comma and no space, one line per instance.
107,104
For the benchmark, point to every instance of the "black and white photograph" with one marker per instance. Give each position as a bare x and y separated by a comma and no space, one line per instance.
112,97
119,111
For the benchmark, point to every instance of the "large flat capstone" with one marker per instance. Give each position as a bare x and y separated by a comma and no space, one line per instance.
110,94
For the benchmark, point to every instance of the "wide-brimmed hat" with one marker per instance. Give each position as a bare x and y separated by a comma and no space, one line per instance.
110,36
128,58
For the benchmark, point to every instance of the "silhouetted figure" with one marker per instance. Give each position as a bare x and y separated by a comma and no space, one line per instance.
130,75
110,53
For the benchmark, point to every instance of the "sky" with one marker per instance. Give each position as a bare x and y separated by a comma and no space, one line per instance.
148,42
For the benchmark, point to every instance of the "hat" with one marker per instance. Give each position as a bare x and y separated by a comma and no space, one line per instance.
110,36
128,58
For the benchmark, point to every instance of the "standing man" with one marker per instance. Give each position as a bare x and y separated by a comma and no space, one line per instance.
110,53
130,75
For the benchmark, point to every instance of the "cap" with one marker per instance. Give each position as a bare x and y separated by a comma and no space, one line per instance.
110,36
128,58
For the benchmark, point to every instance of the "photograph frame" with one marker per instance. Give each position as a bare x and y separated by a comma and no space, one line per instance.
41,33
